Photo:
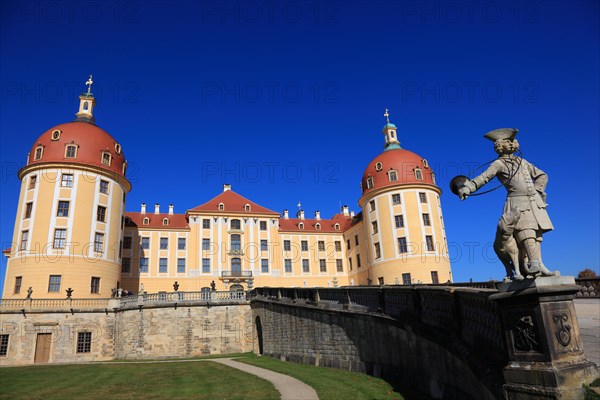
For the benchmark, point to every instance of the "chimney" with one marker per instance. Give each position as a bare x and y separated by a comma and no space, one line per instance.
157,208
317,215
286,214
300,214
143,208
351,214
345,210
226,187
171,209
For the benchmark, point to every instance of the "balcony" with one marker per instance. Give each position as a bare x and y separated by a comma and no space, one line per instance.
236,252
236,274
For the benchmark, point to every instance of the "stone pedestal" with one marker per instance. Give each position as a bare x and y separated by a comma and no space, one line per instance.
543,341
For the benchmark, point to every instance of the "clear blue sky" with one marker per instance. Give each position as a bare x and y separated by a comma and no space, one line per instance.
285,101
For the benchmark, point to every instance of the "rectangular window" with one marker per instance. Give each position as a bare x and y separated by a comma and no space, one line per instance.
127,242
305,266
99,242
372,205
54,283
429,242
60,238
426,220
126,265
377,250
264,265
162,265
375,229
164,243
32,182
106,158
406,279
28,208
70,151
263,225
18,282
206,223
180,243
321,244
434,277
24,240
263,245
304,245
422,197
287,246
180,265
144,264
63,209
95,285
338,245
358,263
206,265
236,224
288,265
84,342
356,240
145,243
393,176
396,199
101,214
348,244
322,265
3,345
205,244
66,180
399,219
402,247
103,186
339,266
350,263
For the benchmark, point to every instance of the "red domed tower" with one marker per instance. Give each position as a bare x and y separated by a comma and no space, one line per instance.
69,221
402,218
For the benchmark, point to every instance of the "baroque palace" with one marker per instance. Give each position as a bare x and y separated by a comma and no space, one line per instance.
72,232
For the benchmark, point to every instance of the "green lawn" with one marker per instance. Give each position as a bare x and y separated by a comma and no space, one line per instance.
330,384
182,380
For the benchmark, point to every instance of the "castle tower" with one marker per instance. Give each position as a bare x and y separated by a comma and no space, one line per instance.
405,239
69,221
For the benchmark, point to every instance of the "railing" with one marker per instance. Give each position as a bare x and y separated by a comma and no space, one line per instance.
589,287
179,297
33,304
236,274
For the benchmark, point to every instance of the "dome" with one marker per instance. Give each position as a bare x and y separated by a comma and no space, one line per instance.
407,165
92,146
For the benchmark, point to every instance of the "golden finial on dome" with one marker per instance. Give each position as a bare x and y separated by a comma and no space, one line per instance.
387,115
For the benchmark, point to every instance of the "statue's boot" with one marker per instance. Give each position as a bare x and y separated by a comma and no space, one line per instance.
533,268
546,272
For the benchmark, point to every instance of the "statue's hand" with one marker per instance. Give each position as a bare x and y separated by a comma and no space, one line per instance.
464,192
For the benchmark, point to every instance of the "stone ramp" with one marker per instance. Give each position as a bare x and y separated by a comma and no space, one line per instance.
290,388
588,316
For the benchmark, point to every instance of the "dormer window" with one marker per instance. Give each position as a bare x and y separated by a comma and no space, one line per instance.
318,226
393,176
221,206
124,168
425,163
370,182
247,207
165,221
418,174
146,221
117,148
39,152
301,225
433,177
106,158
336,226
71,151
378,166
55,134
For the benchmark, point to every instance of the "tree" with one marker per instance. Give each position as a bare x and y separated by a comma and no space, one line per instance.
586,274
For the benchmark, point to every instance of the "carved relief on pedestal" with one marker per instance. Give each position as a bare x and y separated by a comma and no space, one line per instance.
525,335
563,329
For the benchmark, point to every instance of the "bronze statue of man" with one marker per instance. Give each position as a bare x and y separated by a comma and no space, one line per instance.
524,219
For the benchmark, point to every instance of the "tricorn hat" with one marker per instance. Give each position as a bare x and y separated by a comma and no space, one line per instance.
502,133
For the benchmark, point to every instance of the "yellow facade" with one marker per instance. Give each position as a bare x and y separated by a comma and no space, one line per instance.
398,238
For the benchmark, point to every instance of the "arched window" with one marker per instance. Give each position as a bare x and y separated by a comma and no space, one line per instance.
221,206
146,221
425,163
318,226
301,225
165,221
418,174
236,224
236,242
236,267
236,288
85,106
247,207
336,226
